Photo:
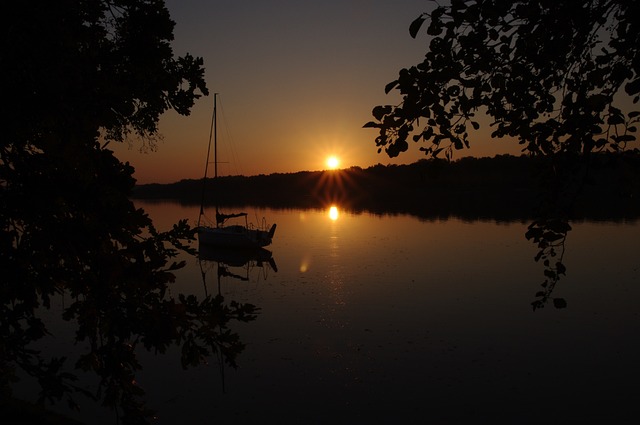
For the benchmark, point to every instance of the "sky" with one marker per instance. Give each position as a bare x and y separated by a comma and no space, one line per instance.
297,80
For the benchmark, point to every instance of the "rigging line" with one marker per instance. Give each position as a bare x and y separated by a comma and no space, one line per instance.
230,144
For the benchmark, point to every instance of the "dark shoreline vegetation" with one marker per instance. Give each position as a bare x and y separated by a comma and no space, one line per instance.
504,188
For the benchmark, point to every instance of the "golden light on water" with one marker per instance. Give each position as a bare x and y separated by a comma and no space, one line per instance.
305,263
333,162
333,213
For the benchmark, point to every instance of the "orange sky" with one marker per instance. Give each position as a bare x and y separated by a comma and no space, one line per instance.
297,81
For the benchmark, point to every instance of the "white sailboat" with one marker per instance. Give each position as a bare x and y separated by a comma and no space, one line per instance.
219,234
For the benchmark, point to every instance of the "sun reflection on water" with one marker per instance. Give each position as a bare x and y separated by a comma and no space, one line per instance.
334,213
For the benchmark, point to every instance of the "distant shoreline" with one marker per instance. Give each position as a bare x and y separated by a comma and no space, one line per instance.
503,188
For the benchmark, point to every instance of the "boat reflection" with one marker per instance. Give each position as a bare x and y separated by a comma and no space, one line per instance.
228,260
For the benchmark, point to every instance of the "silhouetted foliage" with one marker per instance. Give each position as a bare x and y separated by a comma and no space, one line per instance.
559,77
79,75
546,73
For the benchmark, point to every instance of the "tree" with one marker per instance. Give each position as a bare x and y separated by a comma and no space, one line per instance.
92,65
551,74
78,75
560,77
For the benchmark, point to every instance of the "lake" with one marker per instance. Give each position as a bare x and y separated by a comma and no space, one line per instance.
388,318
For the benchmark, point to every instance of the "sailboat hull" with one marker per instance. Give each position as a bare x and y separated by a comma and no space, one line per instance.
234,237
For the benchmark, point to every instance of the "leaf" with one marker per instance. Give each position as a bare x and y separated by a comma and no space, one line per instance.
380,111
390,86
428,133
435,28
633,87
624,138
459,129
415,25
559,303
598,101
561,268
615,119
475,125
538,256
371,124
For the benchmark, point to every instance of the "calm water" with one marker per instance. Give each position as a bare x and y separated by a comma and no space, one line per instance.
381,319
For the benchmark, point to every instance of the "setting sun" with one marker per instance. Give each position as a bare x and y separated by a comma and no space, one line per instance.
333,162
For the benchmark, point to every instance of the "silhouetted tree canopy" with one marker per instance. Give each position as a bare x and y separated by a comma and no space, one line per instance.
78,75
72,68
558,76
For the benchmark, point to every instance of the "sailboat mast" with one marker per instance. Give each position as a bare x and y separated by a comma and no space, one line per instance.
212,130
215,137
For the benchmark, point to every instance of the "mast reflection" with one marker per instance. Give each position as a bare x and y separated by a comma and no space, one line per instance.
226,261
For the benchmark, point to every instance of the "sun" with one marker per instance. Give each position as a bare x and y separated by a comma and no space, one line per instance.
333,162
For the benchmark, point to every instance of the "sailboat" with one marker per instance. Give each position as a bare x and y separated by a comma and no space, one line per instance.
219,234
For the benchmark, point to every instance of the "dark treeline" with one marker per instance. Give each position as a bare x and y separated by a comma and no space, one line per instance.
502,188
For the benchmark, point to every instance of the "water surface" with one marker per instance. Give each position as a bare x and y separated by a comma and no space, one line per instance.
380,319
